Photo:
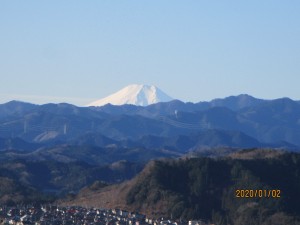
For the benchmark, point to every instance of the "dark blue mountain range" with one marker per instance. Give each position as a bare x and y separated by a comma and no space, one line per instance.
235,121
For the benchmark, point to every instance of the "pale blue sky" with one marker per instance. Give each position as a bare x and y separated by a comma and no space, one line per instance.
78,51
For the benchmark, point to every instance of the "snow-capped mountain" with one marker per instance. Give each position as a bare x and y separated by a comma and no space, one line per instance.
135,94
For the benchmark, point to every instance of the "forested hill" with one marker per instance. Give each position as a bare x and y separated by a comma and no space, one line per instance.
207,188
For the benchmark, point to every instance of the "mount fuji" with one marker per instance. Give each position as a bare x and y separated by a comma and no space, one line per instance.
134,94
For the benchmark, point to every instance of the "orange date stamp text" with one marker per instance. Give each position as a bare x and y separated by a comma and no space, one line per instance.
258,193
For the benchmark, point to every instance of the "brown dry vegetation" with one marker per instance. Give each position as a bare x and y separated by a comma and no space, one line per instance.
256,154
114,196
204,188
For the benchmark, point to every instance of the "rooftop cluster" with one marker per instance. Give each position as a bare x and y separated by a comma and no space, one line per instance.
55,215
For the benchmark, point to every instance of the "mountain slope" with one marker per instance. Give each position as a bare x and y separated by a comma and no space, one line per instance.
204,188
15,108
271,121
134,94
236,103
203,139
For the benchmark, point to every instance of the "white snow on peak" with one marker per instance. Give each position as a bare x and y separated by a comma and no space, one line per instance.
134,94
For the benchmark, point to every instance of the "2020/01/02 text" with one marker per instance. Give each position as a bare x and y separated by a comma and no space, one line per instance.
258,193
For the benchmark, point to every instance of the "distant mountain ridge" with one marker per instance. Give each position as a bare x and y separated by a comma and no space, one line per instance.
272,122
134,94
237,102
